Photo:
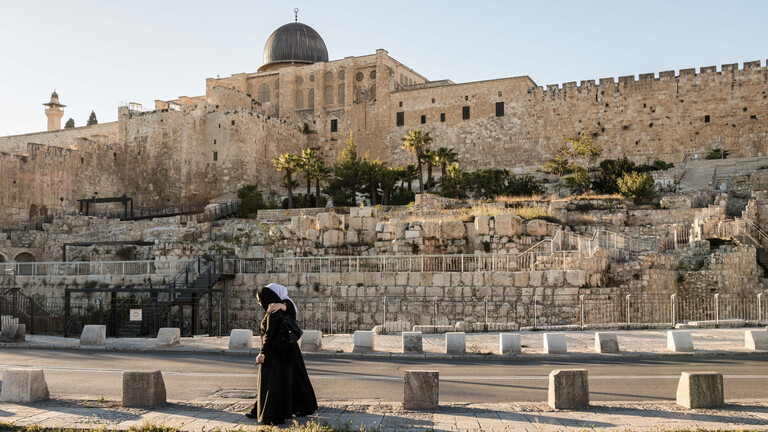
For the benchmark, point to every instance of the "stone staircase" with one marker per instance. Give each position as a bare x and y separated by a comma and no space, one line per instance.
707,174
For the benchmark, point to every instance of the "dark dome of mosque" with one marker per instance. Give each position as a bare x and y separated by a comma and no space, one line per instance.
294,43
54,95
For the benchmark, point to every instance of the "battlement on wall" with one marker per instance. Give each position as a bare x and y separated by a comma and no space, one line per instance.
751,67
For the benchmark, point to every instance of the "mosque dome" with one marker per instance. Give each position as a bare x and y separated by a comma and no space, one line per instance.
293,43
54,95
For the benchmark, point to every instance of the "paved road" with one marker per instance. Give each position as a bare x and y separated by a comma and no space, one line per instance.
194,376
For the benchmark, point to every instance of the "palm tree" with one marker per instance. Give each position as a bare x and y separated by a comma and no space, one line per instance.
445,156
407,175
453,183
313,166
429,159
388,178
417,143
370,170
290,163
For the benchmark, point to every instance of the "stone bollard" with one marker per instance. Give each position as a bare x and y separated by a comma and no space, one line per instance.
362,342
606,343
93,335
240,339
509,344
412,342
568,389
756,340
455,343
554,343
679,341
421,390
311,340
143,389
168,337
13,333
24,386
700,390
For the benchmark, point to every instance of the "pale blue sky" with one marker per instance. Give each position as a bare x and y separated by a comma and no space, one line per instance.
99,53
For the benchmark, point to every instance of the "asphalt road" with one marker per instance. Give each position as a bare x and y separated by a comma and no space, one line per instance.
193,376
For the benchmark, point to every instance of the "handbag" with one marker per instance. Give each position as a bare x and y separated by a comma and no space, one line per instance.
294,331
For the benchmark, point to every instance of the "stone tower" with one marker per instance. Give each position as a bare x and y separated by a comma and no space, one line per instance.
54,112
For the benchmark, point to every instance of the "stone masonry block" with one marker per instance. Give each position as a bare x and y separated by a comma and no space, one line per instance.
24,386
93,335
509,344
568,389
412,342
554,343
756,340
431,229
311,340
240,339
507,225
363,341
455,343
13,333
143,389
168,337
536,227
679,341
606,343
452,230
421,390
482,225
700,390
328,221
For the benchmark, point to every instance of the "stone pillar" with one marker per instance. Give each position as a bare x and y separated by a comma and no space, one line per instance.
93,335
168,337
143,389
240,339
606,343
568,389
509,344
24,386
700,390
421,390
311,340
362,341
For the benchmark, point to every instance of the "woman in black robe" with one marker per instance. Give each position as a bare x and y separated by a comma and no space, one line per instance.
303,394
276,359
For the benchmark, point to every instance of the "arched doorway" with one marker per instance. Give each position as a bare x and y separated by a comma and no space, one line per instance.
33,211
25,263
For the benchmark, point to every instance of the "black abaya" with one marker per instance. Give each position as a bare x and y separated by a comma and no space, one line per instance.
303,395
274,403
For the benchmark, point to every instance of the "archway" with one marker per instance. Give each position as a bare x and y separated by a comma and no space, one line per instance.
25,264
33,210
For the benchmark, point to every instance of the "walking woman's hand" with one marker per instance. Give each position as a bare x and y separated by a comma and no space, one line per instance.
260,359
274,307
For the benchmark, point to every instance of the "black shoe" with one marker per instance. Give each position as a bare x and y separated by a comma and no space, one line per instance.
304,414
251,415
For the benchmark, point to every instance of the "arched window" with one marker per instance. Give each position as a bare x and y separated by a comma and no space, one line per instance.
27,268
329,95
311,98
299,100
33,210
2,258
341,94
373,92
263,96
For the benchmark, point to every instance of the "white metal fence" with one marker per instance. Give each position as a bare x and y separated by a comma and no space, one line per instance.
84,268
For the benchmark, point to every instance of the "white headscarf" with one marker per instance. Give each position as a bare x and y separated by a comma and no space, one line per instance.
282,292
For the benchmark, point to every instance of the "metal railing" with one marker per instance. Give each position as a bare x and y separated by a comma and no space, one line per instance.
85,268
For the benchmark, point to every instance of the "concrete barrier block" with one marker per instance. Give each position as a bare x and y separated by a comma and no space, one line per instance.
168,337
421,390
143,389
24,386
455,343
700,390
756,340
93,335
240,339
606,342
554,343
568,389
679,341
412,342
13,333
311,340
363,341
509,344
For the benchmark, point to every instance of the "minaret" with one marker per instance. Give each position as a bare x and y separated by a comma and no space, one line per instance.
54,112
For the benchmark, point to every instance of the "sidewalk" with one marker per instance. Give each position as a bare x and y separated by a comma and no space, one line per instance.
632,343
205,415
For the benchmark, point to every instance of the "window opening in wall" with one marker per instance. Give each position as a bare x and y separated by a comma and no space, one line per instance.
328,95
744,109
442,117
401,104
233,122
499,94
341,74
341,94
499,109
423,119
328,76
263,95
433,100
359,76
214,142
219,125
299,80
299,99
400,118
311,78
466,98
334,125
753,117
706,118
311,98
465,113
373,74
215,156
